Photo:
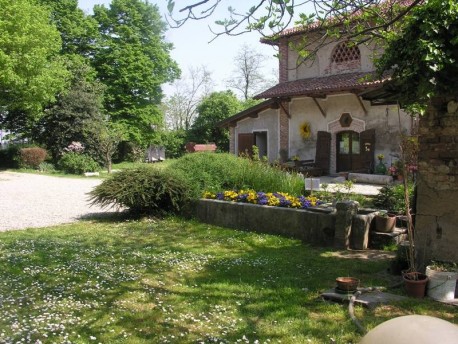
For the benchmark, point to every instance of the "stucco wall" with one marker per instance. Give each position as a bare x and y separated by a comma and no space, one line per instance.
384,119
268,121
320,65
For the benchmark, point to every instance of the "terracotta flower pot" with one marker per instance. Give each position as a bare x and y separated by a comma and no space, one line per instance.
415,284
348,284
385,224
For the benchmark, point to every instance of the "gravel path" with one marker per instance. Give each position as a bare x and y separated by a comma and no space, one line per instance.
30,200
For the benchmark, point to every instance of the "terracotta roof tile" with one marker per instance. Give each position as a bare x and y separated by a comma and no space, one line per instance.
313,87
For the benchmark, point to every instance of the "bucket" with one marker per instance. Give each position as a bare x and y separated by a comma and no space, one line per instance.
441,285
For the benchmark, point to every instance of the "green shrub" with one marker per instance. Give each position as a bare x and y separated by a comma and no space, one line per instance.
46,167
391,198
145,190
77,163
223,171
9,157
31,157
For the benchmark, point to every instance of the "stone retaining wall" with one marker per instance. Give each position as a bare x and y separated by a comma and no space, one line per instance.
341,227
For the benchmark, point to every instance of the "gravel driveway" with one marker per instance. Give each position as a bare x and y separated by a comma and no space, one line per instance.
30,200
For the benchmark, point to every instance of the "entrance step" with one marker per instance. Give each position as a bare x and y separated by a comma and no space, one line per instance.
378,240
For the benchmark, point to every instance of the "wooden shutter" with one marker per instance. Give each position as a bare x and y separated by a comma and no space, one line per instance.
245,144
367,140
323,151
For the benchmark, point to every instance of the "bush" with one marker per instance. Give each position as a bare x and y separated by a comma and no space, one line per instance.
46,167
9,157
31,157
76,163
223,171
145,190
391,198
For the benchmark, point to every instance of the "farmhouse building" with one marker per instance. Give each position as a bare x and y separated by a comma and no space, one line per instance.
329,108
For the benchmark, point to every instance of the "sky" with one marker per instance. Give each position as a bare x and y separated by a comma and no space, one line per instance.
192,47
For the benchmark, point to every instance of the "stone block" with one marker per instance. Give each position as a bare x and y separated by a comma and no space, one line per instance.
370,178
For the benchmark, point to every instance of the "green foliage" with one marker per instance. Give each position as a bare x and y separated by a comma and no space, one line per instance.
78,108
174,143
9,157
145,190
77,163
223,171
424,54
46,167
391,198
212,109
133,61
31,157
31,71
78,31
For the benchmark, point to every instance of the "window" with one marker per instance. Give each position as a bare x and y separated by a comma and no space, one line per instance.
345,52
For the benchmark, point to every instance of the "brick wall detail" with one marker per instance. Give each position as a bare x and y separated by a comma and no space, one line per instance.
284,128
436,230
283,61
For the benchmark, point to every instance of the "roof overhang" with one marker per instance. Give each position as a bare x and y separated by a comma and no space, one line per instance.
321,87
272,103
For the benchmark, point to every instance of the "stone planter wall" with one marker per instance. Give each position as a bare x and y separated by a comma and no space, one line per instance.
341,227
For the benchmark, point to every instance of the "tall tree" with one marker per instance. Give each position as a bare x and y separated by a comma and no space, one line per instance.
248,77
212,109
77,30
63,122
32,73
133,61
188,91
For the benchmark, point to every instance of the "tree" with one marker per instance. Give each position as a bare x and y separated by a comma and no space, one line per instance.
77,30
103,138
424,54
247,77
62,122
212,109
32,71
133,61
358,20
180,107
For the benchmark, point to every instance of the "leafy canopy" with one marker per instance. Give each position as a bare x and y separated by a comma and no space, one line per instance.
133,61
32,73
424,55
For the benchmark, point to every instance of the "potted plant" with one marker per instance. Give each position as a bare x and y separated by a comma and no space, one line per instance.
443,278
414,281
385,222
296,161
380,168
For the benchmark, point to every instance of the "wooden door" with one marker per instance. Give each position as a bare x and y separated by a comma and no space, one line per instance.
323,151
245,144
348,157
367,139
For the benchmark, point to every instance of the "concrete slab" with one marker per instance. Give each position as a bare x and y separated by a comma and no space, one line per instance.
370,299
336,184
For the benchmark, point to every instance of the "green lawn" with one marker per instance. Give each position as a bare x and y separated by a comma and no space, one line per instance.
178,281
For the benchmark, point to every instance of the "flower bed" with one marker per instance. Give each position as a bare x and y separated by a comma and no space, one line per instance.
274,199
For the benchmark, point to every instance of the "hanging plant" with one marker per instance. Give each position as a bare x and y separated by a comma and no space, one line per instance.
305,130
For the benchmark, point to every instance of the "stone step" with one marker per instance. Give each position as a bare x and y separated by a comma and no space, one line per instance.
378,240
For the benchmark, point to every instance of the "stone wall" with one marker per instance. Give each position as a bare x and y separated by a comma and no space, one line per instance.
342,227
436,227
